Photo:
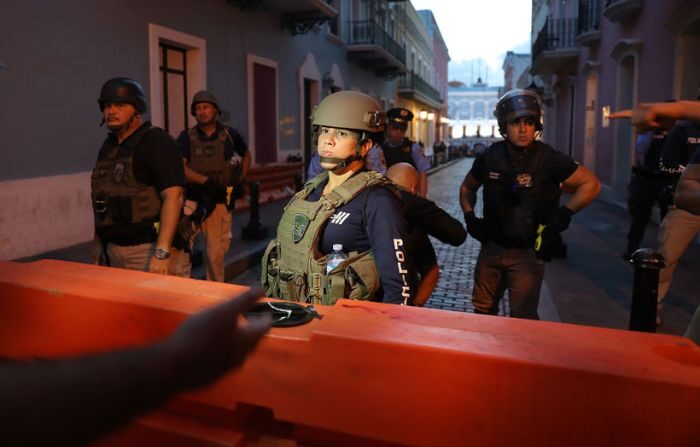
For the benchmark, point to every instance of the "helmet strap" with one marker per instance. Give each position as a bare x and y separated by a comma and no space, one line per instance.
342,163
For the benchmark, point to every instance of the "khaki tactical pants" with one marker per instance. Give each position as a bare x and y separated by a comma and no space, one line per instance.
138,257
676,231
217,236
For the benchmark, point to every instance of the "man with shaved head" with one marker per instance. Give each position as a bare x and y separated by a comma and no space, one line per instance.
424,218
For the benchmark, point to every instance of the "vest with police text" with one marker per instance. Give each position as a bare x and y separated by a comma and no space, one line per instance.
292,266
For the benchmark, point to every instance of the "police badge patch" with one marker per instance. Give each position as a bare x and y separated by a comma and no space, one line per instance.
118,173
299,226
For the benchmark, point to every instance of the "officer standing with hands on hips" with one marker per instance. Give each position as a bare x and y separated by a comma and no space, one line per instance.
348,205
214,176
137,186
521,177
398,148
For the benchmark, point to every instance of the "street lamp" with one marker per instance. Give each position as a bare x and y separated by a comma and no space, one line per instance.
431,116
423,115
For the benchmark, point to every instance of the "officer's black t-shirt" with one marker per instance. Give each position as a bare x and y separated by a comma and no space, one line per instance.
557,168
234,145
157,161
373,219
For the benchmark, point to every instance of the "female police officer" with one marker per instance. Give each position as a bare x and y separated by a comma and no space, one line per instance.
348,205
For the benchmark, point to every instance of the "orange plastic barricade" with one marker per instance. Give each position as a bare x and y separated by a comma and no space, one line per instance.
368,373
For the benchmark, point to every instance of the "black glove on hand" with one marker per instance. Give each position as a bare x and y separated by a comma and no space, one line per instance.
475,226
560,220
215,190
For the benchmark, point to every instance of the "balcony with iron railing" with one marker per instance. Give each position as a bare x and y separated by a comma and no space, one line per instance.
375,48
300,16
555,47
619,10
413,86
588,22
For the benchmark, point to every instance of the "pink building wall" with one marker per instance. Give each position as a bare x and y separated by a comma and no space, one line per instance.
654,74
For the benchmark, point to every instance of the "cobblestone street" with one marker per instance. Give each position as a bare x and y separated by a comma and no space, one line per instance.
592,286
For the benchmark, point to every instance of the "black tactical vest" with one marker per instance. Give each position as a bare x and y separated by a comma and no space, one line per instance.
398,154
124,208
517,199
208,157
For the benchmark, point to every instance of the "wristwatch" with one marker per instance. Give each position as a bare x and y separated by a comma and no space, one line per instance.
162,254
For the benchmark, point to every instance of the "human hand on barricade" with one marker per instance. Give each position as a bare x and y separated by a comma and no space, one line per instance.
214,341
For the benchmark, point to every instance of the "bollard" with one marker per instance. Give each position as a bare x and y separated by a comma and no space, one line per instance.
298,182
254,229
647,264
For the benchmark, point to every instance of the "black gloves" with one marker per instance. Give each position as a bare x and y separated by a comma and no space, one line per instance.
546,234
560,220
475,226
215,190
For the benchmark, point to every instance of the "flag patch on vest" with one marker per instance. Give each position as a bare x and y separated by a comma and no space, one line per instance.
494,175
299,225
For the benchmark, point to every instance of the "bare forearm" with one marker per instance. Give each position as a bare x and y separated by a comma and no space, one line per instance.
194,177
74,401
427,285
583,196
245,163
423,185
467,198
169,215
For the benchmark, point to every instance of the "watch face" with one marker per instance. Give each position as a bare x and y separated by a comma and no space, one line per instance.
161,254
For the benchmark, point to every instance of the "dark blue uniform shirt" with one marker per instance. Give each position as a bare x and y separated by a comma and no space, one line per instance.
373,219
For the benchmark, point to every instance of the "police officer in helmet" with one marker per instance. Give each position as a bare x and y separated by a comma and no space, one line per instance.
398,148
521,177
215,176
347,205
137,186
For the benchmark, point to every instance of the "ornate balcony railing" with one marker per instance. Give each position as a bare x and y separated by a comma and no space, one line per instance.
411,81
588,16
556,34
368,32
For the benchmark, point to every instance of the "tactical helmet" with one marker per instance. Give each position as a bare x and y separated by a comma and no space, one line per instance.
349,110
123,90
518,103
204,96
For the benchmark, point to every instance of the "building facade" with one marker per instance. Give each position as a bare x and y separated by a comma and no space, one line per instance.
516,68
595,56
471,110
268,61
441,58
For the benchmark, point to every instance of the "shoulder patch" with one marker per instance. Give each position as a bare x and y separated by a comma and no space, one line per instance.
300,223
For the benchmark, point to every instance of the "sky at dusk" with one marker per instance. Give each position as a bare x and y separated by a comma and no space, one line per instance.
479,32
